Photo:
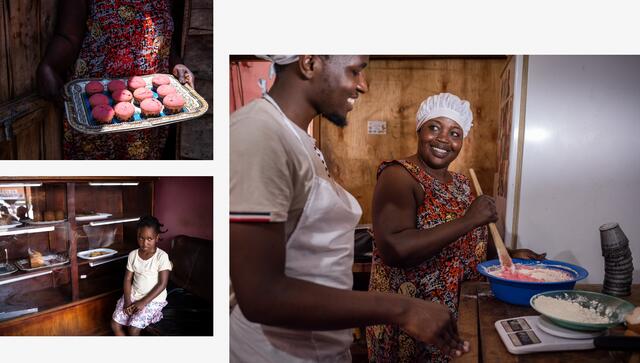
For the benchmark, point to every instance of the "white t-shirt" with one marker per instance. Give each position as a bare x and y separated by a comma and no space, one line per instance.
145,273
271,175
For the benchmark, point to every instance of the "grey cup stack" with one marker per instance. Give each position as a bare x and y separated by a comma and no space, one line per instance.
618,263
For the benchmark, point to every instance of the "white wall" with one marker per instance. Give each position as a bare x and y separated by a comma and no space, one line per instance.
581,160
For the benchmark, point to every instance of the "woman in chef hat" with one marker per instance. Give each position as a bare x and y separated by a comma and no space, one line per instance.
430,232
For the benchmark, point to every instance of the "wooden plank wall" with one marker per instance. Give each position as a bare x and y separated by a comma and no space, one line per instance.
4,68
21,37
47,16
396,89
195,139
500,187
25,29
52,119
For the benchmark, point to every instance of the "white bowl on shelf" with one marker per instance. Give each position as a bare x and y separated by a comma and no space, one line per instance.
105,252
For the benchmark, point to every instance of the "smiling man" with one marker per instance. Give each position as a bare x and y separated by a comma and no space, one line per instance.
292,227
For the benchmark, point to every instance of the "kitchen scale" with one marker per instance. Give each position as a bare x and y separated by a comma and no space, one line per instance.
532,334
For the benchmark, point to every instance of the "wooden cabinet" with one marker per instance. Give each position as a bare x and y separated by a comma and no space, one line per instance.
87,214
30,129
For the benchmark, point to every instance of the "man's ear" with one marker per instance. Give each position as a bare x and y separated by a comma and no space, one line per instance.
308,65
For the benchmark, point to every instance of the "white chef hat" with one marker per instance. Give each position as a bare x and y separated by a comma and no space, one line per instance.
445,105
279,59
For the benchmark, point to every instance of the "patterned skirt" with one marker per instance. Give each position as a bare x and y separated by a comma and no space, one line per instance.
150,314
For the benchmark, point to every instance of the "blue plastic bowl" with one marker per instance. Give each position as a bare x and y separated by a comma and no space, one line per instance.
520,292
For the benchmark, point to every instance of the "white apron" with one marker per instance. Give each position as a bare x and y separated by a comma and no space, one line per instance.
319,250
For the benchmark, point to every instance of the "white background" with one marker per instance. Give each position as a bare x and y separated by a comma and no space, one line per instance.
329,27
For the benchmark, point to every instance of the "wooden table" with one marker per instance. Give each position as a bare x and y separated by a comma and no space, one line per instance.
479,310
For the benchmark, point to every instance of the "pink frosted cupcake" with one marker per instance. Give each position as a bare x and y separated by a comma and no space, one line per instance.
124,111
142,94
94,87
98,99
150,107
173,103
165,90
159,80
103,113
136,82
122,95
115,85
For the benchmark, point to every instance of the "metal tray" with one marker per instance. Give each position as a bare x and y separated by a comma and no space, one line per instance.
87,254
7,269
79,116
49,261
44,223
12,225
92,217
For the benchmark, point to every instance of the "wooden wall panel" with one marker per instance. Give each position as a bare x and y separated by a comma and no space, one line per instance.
26,28
504,141
28,138
5,150
396,89
53,133
53,117
109,199
47,15
4,70
23,36
195,138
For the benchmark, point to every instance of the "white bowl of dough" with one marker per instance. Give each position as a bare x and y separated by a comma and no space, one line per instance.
581,310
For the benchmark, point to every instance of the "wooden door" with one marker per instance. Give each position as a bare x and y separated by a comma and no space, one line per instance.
30,128
195,137
396,89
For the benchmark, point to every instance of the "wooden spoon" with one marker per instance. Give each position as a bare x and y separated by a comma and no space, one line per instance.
503,254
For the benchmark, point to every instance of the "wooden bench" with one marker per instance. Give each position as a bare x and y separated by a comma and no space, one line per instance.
190,290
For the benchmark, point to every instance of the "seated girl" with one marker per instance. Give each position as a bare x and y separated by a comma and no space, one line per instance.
145,282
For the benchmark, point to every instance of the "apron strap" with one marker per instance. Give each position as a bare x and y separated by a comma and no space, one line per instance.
290,126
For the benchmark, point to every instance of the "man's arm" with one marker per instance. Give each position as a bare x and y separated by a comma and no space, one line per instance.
267,296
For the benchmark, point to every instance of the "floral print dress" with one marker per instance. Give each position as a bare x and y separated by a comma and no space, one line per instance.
437,279
124,38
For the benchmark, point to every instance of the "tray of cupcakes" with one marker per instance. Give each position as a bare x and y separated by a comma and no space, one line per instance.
98,106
